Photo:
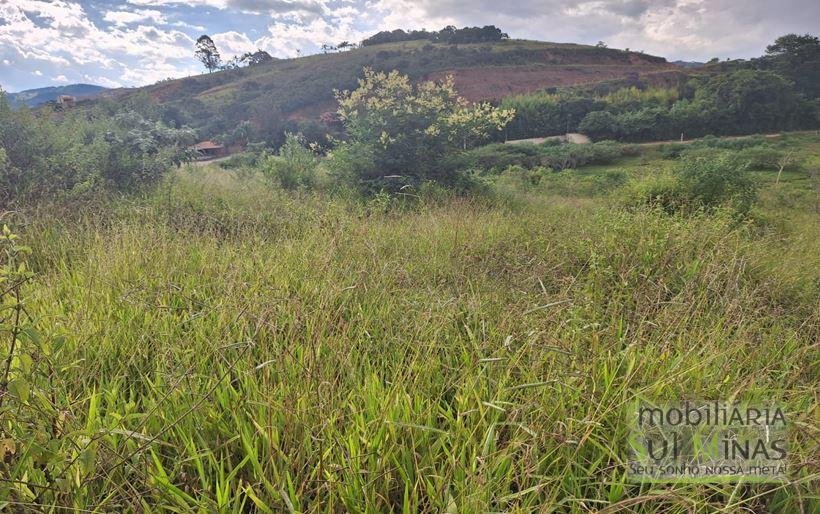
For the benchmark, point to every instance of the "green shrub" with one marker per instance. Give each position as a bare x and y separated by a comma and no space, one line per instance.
496,158
50,156
413,129
240,160
349,161
766,157
294,167
712,181
672,150
600,125
574,155
661,190
703,181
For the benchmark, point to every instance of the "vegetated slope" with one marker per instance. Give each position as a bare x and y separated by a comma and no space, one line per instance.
40,96
269,95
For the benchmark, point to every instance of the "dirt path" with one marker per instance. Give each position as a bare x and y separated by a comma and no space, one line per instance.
579,139
211,161
582,139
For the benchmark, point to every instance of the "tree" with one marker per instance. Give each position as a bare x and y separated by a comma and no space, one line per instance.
600,125
257,57
247,59
798,59
409,130
207,53
749,101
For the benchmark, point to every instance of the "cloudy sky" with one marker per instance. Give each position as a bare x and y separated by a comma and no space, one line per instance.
136,42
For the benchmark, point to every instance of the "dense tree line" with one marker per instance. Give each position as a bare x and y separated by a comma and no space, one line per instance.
776,92
449,34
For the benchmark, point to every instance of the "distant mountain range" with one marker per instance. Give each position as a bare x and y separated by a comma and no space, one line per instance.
35,97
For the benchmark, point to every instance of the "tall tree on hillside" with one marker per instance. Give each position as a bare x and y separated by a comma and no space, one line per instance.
798,59
207,53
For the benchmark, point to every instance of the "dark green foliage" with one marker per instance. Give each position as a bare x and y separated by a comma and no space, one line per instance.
48,156
710,181
240,160
757,152
575,183
798,59
545,114
770,94
705,180
295,165
497,157
600,125
448,34
741,102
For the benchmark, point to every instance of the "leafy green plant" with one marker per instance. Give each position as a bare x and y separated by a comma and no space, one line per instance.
705,180
714,180
295,165
411,130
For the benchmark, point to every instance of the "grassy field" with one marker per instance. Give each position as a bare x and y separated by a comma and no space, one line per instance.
222,345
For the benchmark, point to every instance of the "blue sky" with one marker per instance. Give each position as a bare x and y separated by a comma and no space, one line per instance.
136,42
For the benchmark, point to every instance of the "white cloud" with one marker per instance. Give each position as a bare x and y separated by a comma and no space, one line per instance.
247,6
284,39
122,18
38,73
142,41
691,29
59,34
233,43
61,78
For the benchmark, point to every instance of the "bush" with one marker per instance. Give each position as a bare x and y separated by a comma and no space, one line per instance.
552,154
710,182
700,182
661,190
769,158
672,150
411,130
495,158
574,155
46,156
295,165
240,160
600,125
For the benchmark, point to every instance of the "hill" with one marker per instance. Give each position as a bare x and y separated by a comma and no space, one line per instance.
40,96
273,96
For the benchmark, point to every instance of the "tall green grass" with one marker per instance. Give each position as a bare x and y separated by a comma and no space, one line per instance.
227,347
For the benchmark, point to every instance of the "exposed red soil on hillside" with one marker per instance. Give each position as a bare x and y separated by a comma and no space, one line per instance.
494,83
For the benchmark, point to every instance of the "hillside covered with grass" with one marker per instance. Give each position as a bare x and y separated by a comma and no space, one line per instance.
274,94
